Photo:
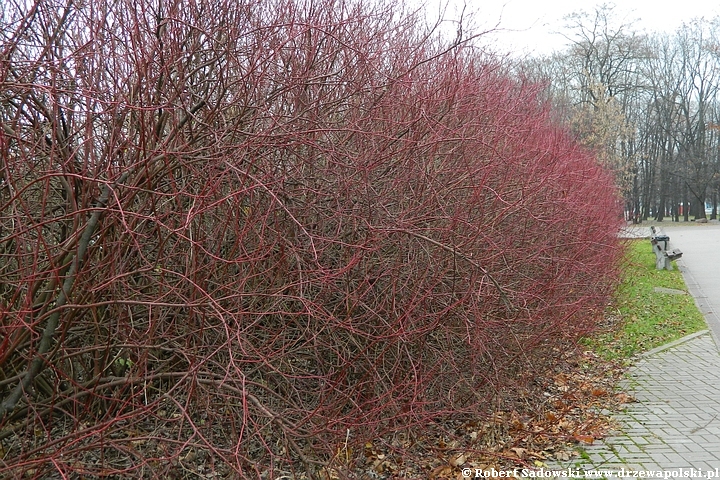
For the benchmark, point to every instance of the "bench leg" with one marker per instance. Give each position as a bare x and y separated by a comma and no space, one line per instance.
662,261
659,257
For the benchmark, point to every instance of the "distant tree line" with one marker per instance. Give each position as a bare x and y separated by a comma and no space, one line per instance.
648,104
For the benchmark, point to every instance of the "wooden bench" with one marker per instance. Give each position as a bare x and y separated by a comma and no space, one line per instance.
663,255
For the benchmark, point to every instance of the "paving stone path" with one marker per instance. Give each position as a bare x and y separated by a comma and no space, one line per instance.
675,422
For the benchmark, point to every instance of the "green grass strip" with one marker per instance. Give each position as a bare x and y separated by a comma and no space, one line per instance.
644,317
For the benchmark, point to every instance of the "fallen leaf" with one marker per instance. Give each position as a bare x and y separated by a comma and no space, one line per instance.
624,398
563,456
443,471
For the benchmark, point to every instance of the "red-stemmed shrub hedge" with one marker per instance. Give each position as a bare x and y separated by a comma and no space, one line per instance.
262,232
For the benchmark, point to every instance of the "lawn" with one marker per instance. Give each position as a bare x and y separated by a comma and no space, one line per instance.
643,318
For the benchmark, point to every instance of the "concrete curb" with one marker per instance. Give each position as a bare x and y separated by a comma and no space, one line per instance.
674,343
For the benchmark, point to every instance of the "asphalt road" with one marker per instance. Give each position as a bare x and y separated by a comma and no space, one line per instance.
700,265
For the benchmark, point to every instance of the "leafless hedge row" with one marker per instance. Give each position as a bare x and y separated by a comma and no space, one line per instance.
261,233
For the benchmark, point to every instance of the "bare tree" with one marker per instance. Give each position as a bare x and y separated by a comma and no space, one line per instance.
697,101
604,55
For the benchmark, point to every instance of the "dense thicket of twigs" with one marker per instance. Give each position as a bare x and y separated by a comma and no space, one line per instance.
264,232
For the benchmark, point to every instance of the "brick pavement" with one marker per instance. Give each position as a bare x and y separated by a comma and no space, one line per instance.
675,423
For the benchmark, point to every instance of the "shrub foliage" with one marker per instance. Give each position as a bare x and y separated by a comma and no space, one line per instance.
266,229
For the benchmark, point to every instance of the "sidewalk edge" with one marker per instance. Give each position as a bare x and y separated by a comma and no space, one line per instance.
674,343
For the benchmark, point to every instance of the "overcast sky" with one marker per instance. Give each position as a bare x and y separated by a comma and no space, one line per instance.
528,24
